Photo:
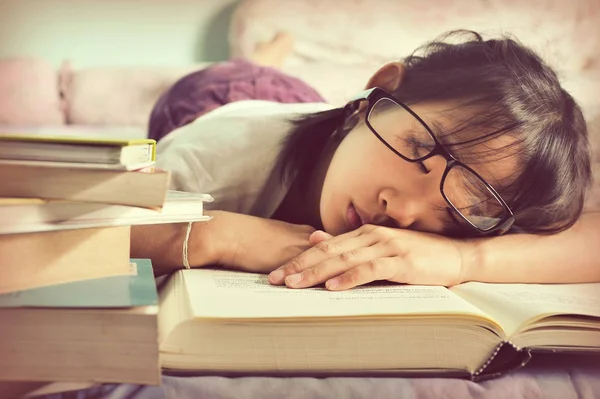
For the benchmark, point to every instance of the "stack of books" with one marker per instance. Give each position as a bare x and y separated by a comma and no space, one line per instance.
73,305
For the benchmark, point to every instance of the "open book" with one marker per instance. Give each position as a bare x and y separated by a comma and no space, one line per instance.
221,322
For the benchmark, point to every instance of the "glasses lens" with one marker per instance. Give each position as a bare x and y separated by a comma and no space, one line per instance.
400,129
472,198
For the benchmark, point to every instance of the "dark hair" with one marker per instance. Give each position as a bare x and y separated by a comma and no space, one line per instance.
511,91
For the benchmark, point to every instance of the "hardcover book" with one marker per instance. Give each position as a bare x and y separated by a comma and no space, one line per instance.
222,322
100,151
99,330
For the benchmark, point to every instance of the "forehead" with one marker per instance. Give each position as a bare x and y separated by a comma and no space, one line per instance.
440,112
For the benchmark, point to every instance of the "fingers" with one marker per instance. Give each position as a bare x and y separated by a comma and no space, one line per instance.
319,236
320,252
332,267
374,270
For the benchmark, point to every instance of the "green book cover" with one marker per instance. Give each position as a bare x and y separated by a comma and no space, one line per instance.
135,289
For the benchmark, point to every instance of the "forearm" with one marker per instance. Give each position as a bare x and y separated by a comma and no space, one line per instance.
571,256
163,245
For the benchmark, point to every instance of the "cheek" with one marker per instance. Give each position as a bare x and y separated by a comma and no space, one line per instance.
351,166
360,168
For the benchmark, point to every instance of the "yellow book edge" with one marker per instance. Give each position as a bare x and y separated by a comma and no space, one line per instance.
67,139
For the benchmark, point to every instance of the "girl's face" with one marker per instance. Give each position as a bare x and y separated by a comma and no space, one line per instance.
367,183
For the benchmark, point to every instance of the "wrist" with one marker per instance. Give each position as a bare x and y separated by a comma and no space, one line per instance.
472,259
161,243
204,245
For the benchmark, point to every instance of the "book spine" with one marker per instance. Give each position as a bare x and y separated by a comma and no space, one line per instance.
505,358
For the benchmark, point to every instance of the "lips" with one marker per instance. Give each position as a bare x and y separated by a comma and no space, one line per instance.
353,219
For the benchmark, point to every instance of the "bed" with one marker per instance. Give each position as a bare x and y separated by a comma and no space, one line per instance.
338,45
545,377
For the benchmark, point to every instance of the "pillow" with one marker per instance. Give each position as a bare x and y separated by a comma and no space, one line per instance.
29,93
116,95
335,82
565,33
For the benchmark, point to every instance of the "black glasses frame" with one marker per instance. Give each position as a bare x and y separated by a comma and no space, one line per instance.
372,96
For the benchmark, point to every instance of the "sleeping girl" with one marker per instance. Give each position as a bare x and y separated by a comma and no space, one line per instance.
467,161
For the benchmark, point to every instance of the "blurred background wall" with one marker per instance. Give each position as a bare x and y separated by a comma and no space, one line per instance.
116,32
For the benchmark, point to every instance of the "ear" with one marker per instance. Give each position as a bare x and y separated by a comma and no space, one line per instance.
388,77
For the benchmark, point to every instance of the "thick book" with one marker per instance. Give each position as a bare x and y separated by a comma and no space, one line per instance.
27,215
145,187
99,152
221,322
100,330
38,259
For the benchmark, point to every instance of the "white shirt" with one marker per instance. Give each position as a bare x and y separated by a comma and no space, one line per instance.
230,153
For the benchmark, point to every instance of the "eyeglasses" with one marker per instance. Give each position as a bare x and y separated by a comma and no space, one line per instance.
467,193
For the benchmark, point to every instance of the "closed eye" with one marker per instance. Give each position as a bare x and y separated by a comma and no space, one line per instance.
416,154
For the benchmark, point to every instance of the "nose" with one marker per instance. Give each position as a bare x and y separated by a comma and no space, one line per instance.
408,212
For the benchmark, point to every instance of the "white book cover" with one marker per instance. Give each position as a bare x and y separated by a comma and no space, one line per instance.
29,215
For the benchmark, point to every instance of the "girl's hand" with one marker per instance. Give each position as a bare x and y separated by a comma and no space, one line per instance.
253,244
375,253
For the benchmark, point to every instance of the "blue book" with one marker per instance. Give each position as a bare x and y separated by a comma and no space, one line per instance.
135,289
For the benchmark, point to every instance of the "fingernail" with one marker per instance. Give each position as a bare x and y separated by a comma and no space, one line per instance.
332,284
293,279
276,276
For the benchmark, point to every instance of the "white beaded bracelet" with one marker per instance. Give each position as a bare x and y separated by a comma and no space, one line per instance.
186,262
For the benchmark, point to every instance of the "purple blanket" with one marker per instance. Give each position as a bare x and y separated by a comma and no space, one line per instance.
203,91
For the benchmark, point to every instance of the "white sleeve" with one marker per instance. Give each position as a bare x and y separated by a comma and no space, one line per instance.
205,158
229,153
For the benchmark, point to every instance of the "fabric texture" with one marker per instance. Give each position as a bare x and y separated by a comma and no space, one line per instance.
565,33
117,96
546,377
207,89
29,93
231,153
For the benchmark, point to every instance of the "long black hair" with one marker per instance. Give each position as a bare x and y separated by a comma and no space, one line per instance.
510,91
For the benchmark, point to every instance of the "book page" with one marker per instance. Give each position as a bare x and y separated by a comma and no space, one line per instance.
513,305
227,294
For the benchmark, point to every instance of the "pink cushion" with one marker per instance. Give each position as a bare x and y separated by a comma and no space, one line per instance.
116,95
29,93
